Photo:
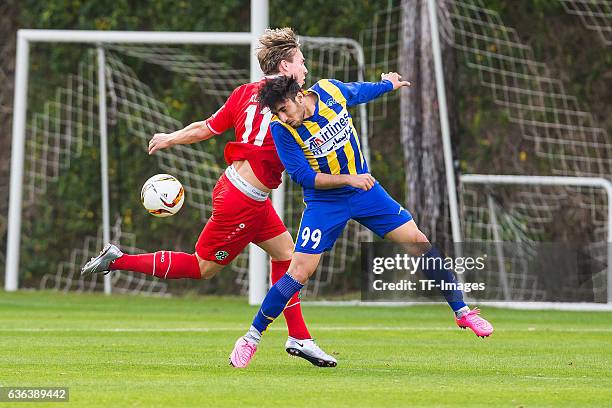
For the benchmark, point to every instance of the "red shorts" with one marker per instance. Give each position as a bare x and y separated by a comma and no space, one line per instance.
236,221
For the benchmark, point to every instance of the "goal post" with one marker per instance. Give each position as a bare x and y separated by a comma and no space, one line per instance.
106,233
27,36
564,181
107,42
259,22
474,30
444,123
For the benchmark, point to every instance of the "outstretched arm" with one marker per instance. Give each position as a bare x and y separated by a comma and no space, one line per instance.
195,132
362,92
218,123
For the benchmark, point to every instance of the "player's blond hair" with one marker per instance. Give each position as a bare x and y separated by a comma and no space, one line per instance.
276,45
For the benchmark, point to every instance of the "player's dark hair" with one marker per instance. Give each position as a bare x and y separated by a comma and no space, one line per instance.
277,90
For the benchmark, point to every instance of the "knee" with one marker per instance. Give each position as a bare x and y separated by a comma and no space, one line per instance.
284,254
417,243
418,237
284,251
208,269
420,242
300,272
411,235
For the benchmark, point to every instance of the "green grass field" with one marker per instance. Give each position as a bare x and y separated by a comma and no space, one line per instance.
134,351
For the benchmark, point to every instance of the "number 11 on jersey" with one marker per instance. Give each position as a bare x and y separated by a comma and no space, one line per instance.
251,111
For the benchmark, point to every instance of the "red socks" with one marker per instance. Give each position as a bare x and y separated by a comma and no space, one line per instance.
161,264
175,265
293,310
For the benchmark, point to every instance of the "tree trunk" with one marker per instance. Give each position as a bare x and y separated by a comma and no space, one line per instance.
420,125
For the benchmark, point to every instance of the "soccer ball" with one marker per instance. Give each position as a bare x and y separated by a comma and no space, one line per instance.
162,195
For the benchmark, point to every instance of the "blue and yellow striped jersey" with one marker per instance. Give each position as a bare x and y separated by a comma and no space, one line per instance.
326,142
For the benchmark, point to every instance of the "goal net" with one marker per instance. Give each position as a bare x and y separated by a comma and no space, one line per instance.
533,126
150,89
529,124
596,15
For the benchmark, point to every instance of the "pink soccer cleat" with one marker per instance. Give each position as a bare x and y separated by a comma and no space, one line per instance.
243,353
471,319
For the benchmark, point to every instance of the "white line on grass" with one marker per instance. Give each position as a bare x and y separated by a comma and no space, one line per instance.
559,306
315,328
537,377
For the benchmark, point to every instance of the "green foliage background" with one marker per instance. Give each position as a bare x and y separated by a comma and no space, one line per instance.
485,138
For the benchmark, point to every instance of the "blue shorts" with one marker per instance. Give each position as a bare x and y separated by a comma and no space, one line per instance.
326,216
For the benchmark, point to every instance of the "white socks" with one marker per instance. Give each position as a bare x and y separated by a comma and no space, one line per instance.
253,335
459,313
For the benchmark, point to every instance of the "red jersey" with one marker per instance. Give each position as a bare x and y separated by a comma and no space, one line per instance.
252,131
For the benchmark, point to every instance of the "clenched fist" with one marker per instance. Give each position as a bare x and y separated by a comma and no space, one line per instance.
362,181
396,80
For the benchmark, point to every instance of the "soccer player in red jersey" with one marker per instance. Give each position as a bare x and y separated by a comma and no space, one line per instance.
242,211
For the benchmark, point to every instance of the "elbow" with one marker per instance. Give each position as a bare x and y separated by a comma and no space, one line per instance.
295,177
204,131
304,179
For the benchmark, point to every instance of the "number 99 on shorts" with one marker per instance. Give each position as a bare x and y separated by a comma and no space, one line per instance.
310,239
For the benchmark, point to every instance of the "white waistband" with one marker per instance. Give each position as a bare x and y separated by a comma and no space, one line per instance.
241,184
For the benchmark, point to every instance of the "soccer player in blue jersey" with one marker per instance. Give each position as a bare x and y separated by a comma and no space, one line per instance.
319,147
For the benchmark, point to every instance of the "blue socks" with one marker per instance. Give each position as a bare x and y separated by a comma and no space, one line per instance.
434,269
275,301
